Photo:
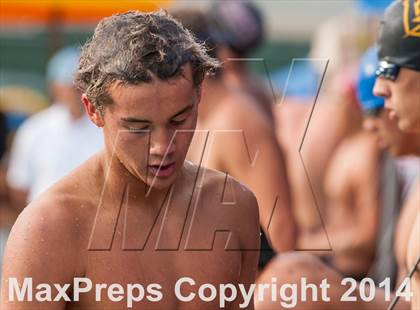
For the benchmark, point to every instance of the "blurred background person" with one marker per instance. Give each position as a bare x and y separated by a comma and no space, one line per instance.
398,83
238,29
365,188
241,142
53,142
318,109
376,244
17,102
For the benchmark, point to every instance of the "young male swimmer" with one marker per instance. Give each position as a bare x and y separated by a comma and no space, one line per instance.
137,212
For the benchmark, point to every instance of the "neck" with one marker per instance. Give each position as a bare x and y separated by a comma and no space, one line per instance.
415,142
235,69
213,94
120,181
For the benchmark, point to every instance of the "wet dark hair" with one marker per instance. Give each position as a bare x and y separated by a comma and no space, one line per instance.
198,22
132,48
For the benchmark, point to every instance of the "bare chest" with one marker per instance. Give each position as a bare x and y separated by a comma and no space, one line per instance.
151,256
158,279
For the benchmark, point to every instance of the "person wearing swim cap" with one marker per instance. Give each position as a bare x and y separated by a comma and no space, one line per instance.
399,83
377,116
292,267
399,63
397,143
238,29
350,185
238,131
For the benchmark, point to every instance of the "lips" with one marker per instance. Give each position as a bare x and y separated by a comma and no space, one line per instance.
392,114
382,143
164,170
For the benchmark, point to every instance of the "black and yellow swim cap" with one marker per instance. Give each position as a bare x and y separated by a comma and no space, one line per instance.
399,37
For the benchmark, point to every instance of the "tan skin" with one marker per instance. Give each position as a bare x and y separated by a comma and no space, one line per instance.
237,75
390,136
291,268
230,117
402,98
413,253
292,119
354,189
405,228
399,143
65,215
352,211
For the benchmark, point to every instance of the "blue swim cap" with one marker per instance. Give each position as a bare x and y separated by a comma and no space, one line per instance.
366,81
373,6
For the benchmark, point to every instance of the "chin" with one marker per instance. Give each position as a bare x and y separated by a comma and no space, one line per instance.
160,183
394,153
408,126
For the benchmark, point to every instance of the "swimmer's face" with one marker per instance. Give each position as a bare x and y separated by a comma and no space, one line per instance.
402,97
153,125
390,137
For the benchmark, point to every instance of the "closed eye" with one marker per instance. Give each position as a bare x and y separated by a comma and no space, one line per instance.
138,130
178,121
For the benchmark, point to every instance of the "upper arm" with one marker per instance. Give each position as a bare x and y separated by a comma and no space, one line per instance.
413,254
39,248
352,192
366,185
352,180
249,233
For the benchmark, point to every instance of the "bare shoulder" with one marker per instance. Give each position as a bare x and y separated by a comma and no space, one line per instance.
355,161
359,146
411,208
48,219
219,187
239,109
413,251
359,151
44,244
53,229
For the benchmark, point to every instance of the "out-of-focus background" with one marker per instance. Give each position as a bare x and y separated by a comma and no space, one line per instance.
30,31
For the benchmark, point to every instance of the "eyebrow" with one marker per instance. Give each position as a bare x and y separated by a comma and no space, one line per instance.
139,120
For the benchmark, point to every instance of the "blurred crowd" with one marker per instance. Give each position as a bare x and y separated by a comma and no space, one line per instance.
319,145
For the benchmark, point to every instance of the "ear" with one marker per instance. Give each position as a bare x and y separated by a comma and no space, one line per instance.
93,113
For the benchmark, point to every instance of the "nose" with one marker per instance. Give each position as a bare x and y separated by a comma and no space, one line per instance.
380,88
161,142
369,124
